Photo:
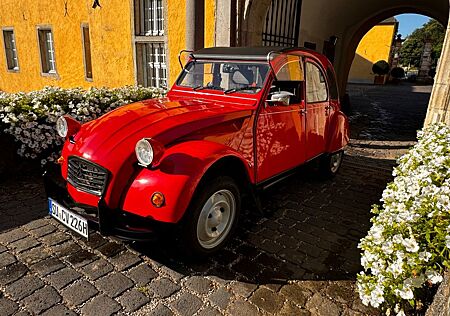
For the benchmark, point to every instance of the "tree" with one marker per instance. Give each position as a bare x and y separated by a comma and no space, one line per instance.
412,49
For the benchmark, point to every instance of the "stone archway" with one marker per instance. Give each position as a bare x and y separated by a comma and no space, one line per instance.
352,40
349,20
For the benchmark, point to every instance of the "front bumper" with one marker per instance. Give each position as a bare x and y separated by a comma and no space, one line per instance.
107,221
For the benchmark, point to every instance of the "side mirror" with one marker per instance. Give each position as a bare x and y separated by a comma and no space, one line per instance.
280,98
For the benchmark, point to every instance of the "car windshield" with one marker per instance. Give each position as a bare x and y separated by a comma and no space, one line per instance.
228,77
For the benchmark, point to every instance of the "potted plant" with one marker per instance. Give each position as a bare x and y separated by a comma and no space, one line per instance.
397,74
380,69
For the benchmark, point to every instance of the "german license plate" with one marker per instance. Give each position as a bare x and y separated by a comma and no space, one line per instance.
68,218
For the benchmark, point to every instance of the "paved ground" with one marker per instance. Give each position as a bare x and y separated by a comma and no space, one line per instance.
300,259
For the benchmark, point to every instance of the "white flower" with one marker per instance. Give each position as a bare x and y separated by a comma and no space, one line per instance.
405,293
447,241
401,313
433,277
410,244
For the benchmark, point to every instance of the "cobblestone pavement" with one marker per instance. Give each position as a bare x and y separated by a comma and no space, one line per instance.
299,259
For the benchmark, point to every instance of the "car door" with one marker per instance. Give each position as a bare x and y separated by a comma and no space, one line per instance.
280,136
317,109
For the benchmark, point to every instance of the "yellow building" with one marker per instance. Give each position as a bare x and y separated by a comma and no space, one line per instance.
376,45
84,43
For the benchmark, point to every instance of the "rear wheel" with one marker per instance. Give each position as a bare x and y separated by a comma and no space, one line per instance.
330,164
212,217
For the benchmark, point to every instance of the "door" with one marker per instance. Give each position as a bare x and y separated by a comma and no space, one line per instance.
280,136
317,109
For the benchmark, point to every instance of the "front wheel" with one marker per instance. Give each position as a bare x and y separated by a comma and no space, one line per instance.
212,216
330,164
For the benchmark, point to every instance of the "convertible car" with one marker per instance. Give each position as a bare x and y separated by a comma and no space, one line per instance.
235,122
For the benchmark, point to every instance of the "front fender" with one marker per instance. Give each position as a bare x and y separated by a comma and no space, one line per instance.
339,132
179,172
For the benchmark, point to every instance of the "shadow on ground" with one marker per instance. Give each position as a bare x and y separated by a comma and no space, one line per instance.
310,232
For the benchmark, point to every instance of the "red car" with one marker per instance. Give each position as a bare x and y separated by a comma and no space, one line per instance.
236,121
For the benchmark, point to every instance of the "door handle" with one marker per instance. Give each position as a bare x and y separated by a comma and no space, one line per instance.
303,111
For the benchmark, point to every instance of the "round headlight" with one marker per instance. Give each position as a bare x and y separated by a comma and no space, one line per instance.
144,152
61,126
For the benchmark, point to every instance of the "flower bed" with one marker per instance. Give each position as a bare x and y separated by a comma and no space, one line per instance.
407,249
30,117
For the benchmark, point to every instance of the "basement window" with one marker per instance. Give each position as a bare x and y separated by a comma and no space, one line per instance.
47,50
10,50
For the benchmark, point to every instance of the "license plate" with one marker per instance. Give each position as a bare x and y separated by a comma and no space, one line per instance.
68,218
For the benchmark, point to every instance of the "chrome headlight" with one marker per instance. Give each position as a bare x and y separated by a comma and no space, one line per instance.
144,152
62,127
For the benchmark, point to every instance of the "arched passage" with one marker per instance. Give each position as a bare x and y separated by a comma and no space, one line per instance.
348,20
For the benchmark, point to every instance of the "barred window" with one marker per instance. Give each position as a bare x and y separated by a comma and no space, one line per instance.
10,50
150,43
152,67
282,25
149,17
47,50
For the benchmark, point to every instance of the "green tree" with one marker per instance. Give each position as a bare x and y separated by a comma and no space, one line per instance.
411,51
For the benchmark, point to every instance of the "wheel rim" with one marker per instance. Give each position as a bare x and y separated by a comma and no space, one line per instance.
216,219
335,162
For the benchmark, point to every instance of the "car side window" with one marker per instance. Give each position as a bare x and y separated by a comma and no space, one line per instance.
316,86
289,80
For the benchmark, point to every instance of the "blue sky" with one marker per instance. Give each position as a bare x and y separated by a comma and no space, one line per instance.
409,22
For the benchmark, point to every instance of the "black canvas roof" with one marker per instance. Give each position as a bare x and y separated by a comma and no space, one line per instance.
241,53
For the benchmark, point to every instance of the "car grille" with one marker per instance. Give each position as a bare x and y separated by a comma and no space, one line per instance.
86,176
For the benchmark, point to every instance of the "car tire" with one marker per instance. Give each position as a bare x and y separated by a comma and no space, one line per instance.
330,164
212,217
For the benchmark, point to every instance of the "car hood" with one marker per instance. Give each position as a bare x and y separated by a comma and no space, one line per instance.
165,119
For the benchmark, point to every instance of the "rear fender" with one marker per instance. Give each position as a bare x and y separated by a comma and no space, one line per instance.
339,132
177,176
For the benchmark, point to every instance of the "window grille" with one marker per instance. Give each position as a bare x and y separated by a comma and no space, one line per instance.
282,25
47,51
152,62
10,50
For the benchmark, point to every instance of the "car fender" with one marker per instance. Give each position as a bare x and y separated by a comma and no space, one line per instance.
177,176
339,132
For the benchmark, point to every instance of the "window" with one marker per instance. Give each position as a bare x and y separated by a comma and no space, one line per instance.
10,50
150,43
87,51
316,86
47,50
152,69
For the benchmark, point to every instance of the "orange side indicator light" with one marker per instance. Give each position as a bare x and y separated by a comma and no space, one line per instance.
60,160
158,199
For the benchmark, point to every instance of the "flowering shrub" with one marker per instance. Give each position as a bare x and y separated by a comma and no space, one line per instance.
30,117
407,248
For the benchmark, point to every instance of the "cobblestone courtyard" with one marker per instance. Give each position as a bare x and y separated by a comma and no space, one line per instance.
299,259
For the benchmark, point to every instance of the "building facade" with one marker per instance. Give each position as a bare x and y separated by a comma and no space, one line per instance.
85,43
377,44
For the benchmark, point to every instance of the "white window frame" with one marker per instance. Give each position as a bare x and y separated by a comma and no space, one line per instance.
50,55
15,57
156,37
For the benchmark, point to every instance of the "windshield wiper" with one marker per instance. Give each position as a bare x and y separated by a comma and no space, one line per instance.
200,87
241,89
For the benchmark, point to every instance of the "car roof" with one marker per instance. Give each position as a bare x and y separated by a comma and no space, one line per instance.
245,53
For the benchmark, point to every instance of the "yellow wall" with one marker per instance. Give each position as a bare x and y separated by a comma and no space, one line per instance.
111,41
176,31
110,32
375,45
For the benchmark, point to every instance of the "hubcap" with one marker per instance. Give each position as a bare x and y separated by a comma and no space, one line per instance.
216,219
335,162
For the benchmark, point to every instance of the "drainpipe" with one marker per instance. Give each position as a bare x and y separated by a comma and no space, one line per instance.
195,24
